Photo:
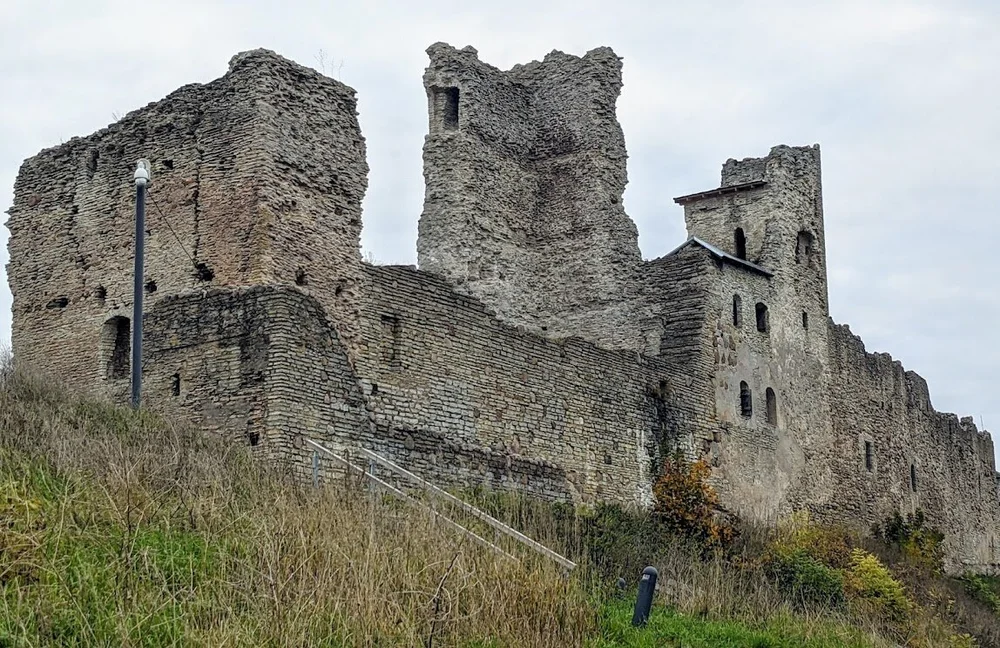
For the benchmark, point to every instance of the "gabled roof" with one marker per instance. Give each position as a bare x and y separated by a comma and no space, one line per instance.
722,255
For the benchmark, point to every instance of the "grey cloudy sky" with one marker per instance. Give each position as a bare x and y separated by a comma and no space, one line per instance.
903,97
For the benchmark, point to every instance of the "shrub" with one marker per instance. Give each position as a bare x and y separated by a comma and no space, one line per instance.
980,588
807,579
830,545
687,504
872,589
920,544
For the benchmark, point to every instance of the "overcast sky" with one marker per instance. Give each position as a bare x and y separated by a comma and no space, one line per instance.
903,97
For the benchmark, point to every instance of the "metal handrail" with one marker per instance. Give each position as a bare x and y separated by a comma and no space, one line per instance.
485,517
400,494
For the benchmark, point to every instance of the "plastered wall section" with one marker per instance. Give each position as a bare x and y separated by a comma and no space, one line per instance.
242,175
436,363
525,171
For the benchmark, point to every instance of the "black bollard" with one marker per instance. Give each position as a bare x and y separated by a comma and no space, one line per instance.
643,603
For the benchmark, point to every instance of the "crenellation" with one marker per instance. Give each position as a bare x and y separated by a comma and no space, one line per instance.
531,350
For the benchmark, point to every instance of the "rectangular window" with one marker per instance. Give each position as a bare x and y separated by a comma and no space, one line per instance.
869,458
446,107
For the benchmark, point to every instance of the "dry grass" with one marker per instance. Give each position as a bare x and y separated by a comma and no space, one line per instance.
121,529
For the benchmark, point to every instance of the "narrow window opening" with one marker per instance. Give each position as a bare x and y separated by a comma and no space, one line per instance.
741,243
804,245
446,107
737,311
300,277
168,164
100,294
805,320
746,400
175,384
150,286
869,457
116,347
391,334
913,477
58,302
762,323
772,406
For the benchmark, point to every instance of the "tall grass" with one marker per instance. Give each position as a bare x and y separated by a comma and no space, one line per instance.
119,528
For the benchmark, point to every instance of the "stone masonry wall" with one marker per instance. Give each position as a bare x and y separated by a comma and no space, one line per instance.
876,401
437,364
525,173
241,168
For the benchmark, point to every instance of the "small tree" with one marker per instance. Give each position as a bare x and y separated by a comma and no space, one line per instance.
686,504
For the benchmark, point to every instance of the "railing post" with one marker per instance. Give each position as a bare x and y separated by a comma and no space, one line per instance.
643,602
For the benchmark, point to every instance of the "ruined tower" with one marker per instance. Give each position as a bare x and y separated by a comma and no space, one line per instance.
259,174
525,172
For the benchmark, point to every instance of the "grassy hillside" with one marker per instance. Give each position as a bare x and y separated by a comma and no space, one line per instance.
123,529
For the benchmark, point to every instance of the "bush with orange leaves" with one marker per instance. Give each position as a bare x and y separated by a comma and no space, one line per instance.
687,504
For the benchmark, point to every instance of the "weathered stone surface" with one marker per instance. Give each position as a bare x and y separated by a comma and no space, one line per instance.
525,173
533,350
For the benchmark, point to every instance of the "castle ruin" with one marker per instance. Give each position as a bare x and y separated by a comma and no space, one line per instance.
533,349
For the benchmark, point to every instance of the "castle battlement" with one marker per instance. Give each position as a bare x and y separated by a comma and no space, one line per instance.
532,348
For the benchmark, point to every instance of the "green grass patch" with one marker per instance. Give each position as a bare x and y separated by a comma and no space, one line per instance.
671,629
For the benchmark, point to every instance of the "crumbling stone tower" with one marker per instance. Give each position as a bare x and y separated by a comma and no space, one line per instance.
525,172
260,173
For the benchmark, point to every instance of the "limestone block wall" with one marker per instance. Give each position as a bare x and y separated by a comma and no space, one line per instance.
525,172
244,169
884,427
436,363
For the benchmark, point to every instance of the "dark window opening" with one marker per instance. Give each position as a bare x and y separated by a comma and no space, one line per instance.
169,164
869,457
58,302
746,400
253,437
150,286
772,406
741,243
175,384
804,245
116,347
391,334
762,323
805,320
203,272
913,477
737,311
100,294
300,277
446,107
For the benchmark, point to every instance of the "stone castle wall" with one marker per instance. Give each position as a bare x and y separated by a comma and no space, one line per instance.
243,176
525,173
533,350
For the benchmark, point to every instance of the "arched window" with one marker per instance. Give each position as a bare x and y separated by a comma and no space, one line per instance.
741,243
762,323
116,347
772,407
737,311
746,400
